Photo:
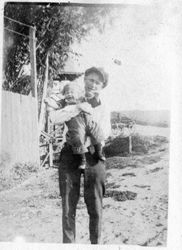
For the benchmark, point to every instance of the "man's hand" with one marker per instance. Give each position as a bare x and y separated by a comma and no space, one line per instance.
85,107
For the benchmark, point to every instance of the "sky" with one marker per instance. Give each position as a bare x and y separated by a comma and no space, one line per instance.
142,37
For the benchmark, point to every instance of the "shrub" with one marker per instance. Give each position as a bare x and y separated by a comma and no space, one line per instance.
119,146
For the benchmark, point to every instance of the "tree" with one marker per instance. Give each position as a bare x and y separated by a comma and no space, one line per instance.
57,26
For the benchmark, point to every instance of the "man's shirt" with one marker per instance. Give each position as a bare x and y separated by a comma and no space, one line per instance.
101,115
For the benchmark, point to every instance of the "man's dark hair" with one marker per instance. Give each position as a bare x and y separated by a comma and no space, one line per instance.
101,73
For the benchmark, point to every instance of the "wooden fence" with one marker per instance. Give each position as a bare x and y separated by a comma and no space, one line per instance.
19,128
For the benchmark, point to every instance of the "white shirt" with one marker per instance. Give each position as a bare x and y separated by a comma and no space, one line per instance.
101,116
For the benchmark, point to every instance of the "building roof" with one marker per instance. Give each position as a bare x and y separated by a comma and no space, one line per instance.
66,75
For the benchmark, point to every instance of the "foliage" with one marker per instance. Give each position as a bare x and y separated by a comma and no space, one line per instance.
57,27
118,146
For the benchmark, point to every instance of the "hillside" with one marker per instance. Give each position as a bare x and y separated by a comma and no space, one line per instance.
144,117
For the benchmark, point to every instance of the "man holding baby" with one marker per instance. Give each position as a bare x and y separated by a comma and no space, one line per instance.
95,79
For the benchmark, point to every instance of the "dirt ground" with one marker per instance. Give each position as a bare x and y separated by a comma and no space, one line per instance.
135,204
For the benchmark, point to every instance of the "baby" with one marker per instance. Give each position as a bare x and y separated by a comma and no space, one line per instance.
81,125
54,96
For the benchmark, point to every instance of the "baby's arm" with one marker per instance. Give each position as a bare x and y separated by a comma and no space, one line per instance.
53,103
64,114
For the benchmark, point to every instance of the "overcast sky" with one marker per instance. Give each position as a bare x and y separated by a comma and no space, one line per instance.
143,39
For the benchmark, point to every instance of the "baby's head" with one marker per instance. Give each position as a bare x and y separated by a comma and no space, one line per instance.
73,93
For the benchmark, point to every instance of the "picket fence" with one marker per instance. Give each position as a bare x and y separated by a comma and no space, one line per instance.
19,128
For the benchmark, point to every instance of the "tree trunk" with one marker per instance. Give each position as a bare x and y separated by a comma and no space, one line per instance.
43,105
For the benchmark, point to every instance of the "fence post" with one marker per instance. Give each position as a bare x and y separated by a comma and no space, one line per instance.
130,144
50,145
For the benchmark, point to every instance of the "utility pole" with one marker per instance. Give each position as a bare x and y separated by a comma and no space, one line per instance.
33,62
32,42
43,105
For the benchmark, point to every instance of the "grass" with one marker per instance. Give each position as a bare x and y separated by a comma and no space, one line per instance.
14,174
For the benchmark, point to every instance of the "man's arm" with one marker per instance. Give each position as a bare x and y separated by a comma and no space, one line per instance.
64,114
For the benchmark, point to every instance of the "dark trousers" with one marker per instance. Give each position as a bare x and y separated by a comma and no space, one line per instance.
94,188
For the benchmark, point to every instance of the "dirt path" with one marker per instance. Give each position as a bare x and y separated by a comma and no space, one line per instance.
135,206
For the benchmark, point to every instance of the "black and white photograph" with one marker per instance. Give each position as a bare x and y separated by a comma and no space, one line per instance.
111,70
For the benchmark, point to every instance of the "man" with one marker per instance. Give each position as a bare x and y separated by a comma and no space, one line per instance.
95,80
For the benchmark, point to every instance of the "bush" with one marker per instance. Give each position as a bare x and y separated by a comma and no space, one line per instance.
140,144
116,146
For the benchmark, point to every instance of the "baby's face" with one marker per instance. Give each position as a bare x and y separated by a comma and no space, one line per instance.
71,96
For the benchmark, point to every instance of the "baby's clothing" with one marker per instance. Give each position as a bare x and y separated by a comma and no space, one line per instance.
79,127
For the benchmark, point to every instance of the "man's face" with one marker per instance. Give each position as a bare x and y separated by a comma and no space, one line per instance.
93,85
